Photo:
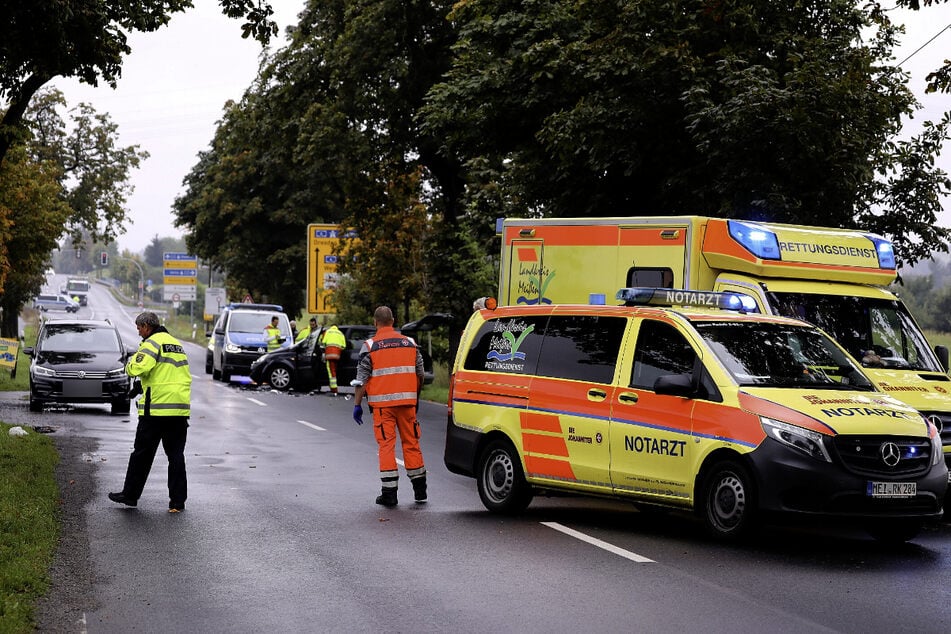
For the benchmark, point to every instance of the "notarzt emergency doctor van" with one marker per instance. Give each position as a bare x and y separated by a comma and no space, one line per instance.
725,413
833,278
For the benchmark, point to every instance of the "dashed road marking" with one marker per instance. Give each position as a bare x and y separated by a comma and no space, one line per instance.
257,402
311,425
611,548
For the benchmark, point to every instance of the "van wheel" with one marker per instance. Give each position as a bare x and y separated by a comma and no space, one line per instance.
895,531
225,376
280,377
35,405
502,484
728,501
215,375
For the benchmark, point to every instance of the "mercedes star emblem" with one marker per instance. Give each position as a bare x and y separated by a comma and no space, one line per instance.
891,454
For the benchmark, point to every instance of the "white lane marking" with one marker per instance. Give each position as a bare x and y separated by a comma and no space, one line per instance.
257,402
311,425
611,548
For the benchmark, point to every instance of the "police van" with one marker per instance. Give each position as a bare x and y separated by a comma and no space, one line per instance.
688,400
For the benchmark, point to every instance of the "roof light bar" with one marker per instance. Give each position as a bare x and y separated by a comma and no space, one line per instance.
677,297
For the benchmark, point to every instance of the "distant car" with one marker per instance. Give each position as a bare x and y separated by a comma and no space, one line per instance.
79,361
301,367
50,301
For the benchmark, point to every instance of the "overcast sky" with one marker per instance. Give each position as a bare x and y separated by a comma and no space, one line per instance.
176,81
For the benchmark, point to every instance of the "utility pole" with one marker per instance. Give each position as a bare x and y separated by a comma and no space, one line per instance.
141,279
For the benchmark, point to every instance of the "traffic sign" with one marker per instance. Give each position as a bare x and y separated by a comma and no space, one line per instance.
247,299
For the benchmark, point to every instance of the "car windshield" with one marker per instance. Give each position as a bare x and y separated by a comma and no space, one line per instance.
781,355
253,322
863,324
79,338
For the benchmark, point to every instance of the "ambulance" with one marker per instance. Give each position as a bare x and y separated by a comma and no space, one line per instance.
833,278
688,400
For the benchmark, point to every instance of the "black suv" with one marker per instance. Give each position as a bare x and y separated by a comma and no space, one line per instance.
301,367
79,361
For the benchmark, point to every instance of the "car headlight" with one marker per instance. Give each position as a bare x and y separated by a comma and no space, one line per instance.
42,371
937,450
112,374
232,348
801,439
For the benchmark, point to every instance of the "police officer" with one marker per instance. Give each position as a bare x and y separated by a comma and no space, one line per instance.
390,373
272,334
164,407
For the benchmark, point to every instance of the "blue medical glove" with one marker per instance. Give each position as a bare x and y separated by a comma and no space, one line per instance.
358,414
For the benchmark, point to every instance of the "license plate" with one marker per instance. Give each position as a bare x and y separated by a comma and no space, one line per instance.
82,388
892,489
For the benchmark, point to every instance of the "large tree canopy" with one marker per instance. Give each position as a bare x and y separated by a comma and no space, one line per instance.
87,39
782,111
328,133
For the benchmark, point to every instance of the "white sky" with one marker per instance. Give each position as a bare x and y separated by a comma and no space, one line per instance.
177,80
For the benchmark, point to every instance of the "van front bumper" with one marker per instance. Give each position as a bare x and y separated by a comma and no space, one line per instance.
790,482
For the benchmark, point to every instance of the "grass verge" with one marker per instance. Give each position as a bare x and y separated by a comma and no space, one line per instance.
29,525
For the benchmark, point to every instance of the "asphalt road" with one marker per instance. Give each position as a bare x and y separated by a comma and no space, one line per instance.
281,534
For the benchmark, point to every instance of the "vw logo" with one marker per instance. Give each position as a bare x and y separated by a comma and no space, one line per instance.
891,454
936,421
82,374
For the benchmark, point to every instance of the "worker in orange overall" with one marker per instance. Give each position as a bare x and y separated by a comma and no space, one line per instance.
390,374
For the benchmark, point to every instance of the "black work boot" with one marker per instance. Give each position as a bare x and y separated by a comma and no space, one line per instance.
419,489
387,497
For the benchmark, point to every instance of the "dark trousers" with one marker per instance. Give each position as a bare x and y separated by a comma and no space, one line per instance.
171,432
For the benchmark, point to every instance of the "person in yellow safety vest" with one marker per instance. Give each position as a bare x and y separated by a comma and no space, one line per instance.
303,334
333,343
160,364
272,334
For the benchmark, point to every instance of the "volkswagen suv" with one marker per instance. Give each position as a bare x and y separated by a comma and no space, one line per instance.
79,361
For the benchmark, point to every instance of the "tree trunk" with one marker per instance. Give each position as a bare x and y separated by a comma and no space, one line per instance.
8,320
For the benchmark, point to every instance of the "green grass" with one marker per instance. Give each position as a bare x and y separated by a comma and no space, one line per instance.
29,525
438,390
938,338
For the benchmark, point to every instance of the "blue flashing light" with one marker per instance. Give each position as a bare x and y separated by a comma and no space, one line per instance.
678,297
761,242
885,251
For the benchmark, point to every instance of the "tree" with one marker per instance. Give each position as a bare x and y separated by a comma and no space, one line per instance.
93,170
35,211
940,79
779,111
85,39
327,126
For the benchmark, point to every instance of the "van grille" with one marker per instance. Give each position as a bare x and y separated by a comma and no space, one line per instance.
884,456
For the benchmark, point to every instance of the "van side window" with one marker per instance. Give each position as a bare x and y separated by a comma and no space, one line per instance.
650,277
581,347
660,350
510,345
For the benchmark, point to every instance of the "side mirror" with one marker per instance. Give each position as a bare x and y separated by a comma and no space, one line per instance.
942,352
29,351
674,385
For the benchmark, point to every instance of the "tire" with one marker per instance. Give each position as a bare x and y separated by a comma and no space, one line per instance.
728,501
35,405
209,366
225,376
122,406
280,377
501,481
215,375
895,531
